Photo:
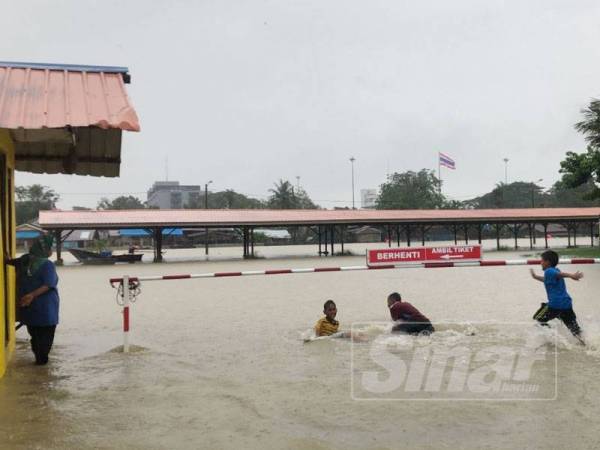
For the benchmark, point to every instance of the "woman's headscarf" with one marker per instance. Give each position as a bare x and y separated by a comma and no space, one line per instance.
38,253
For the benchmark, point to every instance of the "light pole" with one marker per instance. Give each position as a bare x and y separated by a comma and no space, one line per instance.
352,159
505,170
206,207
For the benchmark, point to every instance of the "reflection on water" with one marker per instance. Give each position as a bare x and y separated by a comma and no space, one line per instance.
221,363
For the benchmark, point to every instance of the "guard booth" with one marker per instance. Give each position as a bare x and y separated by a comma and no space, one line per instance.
54,118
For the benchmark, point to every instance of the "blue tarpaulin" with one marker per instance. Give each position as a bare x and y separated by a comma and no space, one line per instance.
140,232
27,234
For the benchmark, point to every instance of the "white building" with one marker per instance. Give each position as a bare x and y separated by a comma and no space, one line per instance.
368,198
172,195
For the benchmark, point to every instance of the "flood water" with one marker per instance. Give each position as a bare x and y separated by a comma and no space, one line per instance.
221,363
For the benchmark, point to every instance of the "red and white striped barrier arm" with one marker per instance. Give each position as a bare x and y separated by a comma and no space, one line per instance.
426,265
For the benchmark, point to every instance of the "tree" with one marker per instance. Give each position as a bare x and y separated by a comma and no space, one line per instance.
33,199
582,168
284,196
519,194
228,199
411,190
560,195
590,126
122,202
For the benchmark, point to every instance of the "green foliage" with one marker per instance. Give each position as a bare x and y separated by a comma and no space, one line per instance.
123,202
560,195
522,194
30,200
411,190
580,169
229,199
284,196
590,125
519,194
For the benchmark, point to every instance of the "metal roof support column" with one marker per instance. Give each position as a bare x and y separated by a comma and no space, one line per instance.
158,245
568,235
252,241
320,252
530,236
592,234
342,232
575,227
466,230
545,235
498,227
479,232
244,242
389,235
398,234
408,234
332,231
455,234
423,235
206,241
516,227
534,232
57,238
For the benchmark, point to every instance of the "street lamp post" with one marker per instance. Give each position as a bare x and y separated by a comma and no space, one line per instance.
206,207
505,170
352,159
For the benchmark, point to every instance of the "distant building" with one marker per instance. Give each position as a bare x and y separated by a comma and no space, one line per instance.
368,198
172,195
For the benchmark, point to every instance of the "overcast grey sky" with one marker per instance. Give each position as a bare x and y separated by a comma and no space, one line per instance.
246,92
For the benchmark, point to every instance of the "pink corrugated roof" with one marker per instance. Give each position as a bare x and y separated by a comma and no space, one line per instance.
228,217
35,98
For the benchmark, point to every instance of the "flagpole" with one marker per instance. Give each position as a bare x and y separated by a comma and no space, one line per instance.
439,174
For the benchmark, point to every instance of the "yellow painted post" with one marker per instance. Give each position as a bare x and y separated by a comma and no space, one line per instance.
7,225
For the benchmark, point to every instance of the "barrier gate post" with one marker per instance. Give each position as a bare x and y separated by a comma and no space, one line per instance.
126,301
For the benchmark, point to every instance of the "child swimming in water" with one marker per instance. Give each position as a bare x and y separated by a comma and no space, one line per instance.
327,326
408,318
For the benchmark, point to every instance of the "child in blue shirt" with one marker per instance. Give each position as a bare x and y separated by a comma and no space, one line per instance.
560,305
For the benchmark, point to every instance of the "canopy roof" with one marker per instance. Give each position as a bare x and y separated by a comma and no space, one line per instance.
173,218
66,118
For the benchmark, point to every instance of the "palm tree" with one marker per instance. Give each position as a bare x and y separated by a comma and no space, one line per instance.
590,126
283,196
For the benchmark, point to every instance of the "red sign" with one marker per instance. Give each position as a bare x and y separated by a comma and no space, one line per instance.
452,253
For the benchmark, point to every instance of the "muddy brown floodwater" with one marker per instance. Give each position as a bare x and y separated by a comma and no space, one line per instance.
222,364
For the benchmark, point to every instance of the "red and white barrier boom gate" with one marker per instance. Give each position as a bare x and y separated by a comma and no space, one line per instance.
443,257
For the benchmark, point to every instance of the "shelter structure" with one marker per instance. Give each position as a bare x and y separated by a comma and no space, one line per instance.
330,227
54,118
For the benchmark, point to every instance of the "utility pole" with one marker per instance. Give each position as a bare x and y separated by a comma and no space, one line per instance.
505,170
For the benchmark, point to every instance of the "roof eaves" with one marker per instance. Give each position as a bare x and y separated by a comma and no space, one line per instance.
124,71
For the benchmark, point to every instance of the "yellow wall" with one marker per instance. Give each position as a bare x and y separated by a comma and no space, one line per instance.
7,345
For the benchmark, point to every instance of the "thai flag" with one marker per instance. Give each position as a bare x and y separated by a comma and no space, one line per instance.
446,161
